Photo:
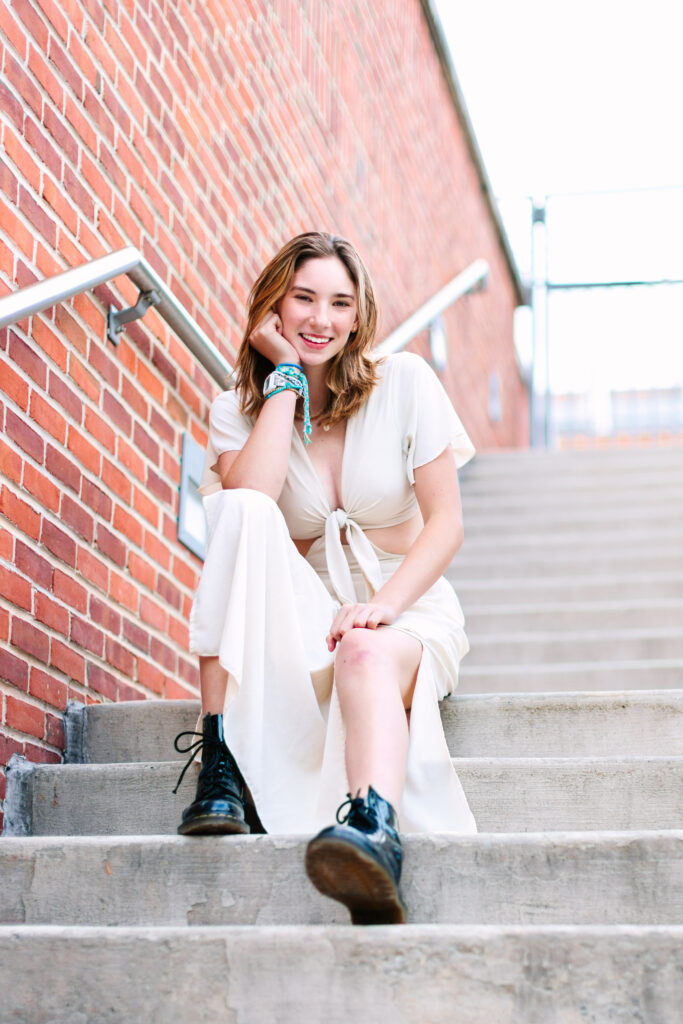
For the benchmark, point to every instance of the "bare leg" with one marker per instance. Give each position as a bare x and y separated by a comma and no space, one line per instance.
375,673
213,680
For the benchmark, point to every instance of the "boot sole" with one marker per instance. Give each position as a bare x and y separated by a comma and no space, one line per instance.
346,873
213,825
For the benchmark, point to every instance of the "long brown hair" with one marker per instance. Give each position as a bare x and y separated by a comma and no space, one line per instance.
352,374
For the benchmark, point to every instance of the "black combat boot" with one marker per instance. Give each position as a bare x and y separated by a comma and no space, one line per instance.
358,861
218,806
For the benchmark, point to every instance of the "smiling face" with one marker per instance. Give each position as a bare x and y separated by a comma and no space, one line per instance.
319,310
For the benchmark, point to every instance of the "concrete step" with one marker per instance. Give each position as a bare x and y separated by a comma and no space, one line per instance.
500,619
506,795
547,537
522,725
515,502
549,562
591,645
578,675
543,878
519,465
492,588
640,724
416,974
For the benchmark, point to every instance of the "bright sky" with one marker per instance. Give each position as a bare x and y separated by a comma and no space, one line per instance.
578,97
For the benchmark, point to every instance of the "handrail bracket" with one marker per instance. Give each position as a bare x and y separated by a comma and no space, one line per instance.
118,318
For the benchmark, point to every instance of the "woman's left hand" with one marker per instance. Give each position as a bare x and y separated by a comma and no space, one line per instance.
358,616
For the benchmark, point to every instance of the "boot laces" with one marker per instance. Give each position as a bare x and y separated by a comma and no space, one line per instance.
359,815
221,769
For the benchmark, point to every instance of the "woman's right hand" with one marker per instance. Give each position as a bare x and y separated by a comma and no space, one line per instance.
267,338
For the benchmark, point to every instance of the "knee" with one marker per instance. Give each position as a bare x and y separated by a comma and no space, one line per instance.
358,652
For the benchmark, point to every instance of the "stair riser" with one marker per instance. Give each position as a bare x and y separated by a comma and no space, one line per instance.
568,676
492,589
520,796
606,879
408,975
499,502
492,622
529,651
572,725
536,565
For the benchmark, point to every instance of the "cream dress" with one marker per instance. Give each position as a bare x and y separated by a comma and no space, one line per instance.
265,610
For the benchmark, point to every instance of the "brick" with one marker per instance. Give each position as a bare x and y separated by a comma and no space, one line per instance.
6,544
43,146
116,481
84,379
45,415
147,445
95,498
47,340
10,462
142,570
41,488
129,458
179,633
59,543
174,691
93,568
40,755
169,592
66,589
78,518
28,638
159,488
28,439
134,398
111,545
30,361
120,657
107,369
9,746
54,731
46,687
102,681
63,468
51,614
149,382
33,565
65,659
86,635
123,591
22,83
97,428
19,513
150,676
153,614
24,717
55,196
14,588
157,550
105,616
85,452
135,635
163,655
165,366
146,507
126,524
66,397
189,671
116,412
13,670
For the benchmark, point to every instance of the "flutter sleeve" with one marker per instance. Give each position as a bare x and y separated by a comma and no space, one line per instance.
430,423
229,429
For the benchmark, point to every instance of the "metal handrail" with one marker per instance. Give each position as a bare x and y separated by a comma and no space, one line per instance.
52,290
36,297
468,280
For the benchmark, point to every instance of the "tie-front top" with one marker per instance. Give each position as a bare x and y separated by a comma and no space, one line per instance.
407,421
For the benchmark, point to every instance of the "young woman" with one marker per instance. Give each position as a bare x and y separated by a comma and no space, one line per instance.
326,635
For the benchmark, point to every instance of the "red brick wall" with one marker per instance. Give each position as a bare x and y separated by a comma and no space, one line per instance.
205,134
